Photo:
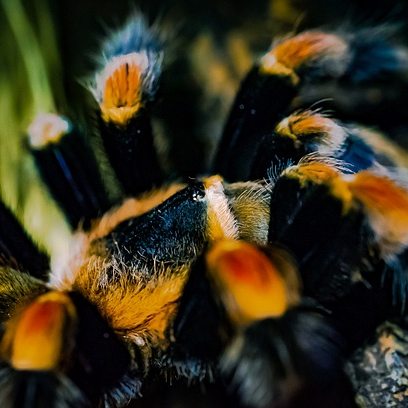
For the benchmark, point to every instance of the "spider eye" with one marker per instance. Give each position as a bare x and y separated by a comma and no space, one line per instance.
198,193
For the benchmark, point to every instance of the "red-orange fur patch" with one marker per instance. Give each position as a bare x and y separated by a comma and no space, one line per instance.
34,339
322,173
387,205
305,123
307,46
287,56
315,171
250,285
122,96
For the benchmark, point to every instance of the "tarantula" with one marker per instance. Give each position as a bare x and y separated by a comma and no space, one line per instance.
262,277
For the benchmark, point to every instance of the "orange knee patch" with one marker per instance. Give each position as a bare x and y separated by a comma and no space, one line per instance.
286,57
47,128
249,284
308,123
387,206
316,172
122,90
322,173
35,340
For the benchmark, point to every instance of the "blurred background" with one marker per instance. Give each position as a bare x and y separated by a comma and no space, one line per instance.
49,49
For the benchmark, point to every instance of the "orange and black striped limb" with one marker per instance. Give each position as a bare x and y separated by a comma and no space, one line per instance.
284,346
308,132
352,256
68,167
273,89
57,350
266,94
125,88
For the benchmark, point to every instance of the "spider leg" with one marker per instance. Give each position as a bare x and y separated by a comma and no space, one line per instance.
353,233
269,90
124,89
374,91
346,234
293,361
58,351
278,348
199,331
308,132
16,289
68,167
17,250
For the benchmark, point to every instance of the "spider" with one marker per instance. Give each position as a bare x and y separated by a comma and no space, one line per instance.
261,277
